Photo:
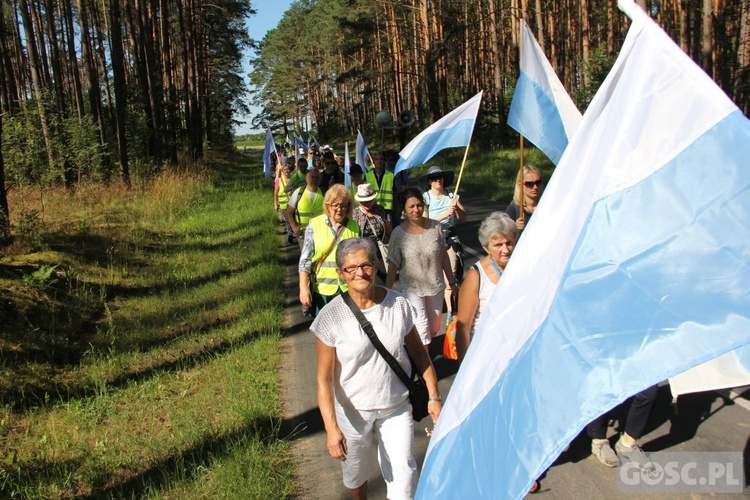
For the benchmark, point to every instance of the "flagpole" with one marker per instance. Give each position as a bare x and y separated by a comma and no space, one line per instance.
521,214
461,172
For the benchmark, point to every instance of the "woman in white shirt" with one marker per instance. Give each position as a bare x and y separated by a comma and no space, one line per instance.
362,401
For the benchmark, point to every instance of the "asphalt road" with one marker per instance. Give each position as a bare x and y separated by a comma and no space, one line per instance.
703,422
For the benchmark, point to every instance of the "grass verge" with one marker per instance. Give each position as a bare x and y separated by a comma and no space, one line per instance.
141,338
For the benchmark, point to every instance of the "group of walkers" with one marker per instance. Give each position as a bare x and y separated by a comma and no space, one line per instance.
355,244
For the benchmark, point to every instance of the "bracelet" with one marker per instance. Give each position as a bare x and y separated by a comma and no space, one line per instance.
437,399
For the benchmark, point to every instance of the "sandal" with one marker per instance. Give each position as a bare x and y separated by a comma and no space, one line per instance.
534,487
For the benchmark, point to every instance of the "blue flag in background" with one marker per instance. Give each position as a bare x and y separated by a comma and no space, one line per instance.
270,148
541,110
451,131
635,267
361,154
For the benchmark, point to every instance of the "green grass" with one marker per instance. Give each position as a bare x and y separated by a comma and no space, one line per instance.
141,350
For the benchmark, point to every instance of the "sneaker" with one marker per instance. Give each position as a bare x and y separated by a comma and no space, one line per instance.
633,453
602,450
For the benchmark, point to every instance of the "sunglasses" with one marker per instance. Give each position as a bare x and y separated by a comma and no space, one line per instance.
531,184
434,178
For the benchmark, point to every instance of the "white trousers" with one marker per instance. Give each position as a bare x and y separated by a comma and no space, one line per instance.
392,432
429,314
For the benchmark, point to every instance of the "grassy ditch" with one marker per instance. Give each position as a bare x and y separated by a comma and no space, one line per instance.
140,340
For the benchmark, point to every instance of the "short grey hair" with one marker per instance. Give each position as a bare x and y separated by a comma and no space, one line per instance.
497,224
351,245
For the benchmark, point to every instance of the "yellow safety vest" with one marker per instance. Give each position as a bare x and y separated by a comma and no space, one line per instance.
326,278
385,191
307,209
282,196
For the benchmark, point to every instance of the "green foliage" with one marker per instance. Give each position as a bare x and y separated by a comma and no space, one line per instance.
83,151
596,70
24,152
42,278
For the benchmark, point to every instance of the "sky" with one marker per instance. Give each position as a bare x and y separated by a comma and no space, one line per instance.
269,13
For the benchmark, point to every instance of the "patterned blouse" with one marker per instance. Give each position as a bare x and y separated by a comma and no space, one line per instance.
376,221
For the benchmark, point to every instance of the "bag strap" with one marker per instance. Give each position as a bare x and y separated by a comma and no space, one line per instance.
370,331
300,192
319,263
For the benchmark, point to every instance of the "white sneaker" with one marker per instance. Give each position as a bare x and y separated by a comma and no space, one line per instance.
602,450
633,453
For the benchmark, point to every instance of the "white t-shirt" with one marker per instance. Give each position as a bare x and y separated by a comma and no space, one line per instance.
486,287
294,198
362,378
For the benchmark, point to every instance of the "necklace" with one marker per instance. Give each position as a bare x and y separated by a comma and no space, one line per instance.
494,266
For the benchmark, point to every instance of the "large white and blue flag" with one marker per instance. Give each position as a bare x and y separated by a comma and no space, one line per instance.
541,110
635,267
451,131
361,154
270,148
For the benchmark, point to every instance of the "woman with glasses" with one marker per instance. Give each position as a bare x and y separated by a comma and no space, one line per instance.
364,405
318,280
527,193
442,206
418,254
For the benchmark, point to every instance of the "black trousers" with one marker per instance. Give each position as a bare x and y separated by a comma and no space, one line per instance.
640,409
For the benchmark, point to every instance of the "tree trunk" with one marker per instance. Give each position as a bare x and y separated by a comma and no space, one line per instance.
118,77
4,209
585,41
36,78
707,37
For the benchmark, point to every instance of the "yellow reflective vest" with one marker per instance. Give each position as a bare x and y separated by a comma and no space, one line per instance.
327,280
282,196
307,209
385,190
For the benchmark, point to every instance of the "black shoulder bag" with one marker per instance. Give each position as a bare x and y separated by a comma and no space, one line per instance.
418,395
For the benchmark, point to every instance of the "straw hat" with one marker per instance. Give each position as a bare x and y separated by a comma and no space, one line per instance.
365,192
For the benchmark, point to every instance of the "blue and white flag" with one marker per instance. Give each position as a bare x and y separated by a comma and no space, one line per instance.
270,148
451,131
347,164
541,110
301,145
635,267
361,154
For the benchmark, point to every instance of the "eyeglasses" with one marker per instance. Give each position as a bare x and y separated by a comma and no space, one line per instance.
367,268
434,178
531,184
339,206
